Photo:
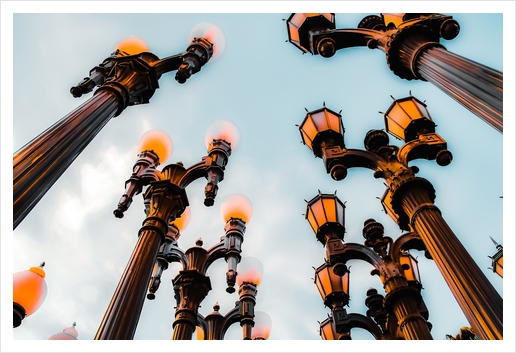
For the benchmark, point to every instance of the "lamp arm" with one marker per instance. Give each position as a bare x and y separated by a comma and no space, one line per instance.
429,146
345,322
170,63
406,241
336,158
347,38
201,322
352,251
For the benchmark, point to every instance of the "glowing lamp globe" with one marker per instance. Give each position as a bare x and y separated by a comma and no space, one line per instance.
249,269
132,45
69,333
262,326
182,221
213,34
222,130
158,142
237,206
29,291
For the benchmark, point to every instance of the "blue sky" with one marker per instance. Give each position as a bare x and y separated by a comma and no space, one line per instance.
263,85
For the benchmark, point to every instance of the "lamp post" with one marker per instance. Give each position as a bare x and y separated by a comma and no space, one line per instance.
125,78
409,200
413,51
191,285
394,266
254,325
29,292
165,199
497,259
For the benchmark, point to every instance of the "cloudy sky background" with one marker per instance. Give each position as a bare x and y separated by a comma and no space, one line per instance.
263,85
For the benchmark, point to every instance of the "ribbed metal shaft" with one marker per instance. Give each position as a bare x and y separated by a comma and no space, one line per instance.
478,299
476,87
42,161
122,315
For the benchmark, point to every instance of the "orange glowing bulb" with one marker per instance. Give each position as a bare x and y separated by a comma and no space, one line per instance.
237,206
262,325
224,130
213,34
182,221
158,142
30,289
249,269
132,45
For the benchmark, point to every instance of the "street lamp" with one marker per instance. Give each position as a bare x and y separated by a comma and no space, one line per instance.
68,334
29,292
332,278
254,326
409,201
411,44
165,199
497,259
128,77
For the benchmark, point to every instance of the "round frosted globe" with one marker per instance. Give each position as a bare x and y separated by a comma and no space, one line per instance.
158,142
30,289
132,45
237,206
69,333
224,130
262,325
213,34
182,221
249,269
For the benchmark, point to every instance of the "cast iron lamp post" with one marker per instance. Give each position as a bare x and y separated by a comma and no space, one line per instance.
191,285
396,268
409,200
497,259
123,79
29,292
215,325
165,199
412,48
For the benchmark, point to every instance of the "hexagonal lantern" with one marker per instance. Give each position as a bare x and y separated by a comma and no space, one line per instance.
300,24
325,213
407,118
334,289
321,128
392,20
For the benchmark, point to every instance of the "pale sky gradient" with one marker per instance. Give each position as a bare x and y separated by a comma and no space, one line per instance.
263,85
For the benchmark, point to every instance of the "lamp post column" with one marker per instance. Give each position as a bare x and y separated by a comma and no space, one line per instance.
121,318
478,299
38,165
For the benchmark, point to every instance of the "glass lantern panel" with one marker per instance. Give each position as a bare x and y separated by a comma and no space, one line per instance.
311,219
317,209
340,213
323,282
320,120
329,209
413,109
327,330
294,32
309,131
334,122
396,121
499,267
395,18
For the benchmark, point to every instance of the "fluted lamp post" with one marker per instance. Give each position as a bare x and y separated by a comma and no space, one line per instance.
165,199
128,77
409,200
325,213
192,285
68,334
29,292
411,42
254,326
497,259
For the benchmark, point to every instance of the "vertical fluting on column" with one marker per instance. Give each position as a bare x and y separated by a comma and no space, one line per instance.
476,87
121,317
42,161
402,300
478,299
